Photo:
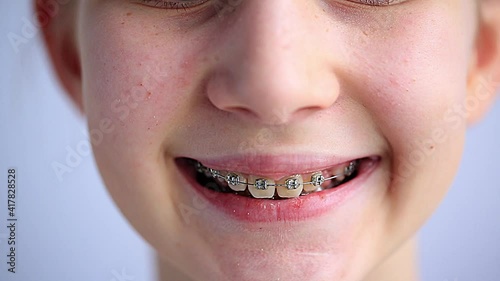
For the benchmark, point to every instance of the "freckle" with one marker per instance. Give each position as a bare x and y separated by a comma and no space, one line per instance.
129,14
157,33
123,22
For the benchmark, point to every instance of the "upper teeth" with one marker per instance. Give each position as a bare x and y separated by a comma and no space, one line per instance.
261,187
291,186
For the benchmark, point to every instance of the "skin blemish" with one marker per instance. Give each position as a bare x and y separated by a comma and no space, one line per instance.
129,14
148,94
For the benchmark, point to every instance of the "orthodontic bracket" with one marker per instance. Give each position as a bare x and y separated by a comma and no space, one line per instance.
291,183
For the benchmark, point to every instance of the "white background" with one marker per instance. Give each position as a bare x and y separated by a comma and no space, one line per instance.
71,230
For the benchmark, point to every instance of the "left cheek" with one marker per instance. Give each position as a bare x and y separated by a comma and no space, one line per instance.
410,90
422,77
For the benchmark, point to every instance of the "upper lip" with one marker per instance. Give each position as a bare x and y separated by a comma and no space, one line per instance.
275,166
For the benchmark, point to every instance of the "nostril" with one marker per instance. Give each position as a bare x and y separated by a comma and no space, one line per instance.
271,116
241,111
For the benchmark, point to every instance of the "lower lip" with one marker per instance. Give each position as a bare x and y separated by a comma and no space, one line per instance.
253,210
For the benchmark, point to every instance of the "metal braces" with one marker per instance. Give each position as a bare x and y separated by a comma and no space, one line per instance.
291,183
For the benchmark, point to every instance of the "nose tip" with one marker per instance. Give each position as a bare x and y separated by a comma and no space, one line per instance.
272,101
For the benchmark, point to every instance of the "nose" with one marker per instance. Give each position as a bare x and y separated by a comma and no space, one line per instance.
273,64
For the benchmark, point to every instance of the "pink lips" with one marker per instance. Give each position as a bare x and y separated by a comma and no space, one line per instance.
253,210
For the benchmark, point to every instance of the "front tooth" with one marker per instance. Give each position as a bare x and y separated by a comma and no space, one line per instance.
236,181
293,187
261,187
339,173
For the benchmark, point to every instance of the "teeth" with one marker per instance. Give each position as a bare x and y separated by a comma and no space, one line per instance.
236,181
261,187
290,187
222,181
200,168
339,173
317,180
293,187
213,173
349,169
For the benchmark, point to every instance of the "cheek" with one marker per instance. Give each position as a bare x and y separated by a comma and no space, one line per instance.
135,76
412,89
417,79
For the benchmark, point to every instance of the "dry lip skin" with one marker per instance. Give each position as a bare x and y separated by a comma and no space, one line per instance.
254,210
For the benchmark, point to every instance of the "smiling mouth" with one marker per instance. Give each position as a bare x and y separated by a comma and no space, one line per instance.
259,187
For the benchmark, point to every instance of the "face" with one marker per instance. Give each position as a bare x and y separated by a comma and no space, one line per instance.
267,90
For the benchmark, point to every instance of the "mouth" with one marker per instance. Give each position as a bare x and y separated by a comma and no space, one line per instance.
261,190
261,187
